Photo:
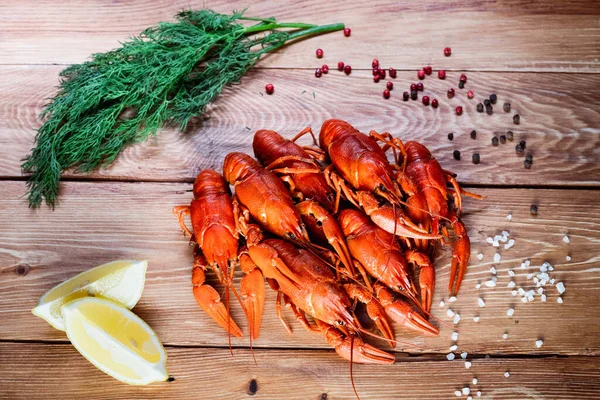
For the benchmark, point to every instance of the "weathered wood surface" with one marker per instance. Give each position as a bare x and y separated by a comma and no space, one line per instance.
99,222
560,122
294,374
488,35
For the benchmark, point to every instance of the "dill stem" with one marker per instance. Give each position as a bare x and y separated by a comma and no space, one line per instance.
276,25
315,30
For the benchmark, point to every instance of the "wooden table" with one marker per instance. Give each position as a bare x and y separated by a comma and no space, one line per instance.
542,57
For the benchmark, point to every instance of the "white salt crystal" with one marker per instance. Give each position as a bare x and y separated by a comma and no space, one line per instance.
478,286
521,291
509,217
529,276
566,239
527,263
480,256
543,298
450,313
568,258
505,233
496,244
469,398
495,279
452,299
540,290
523,265
479,393
560,300
458,393
493,271
467,364
497,238
454,336
442,304
506,374
503,239
511,272
497,257
490,283
560,287
456,318
450,356
552,281
551,268
489,240
453,347
474,381
510,244
539,343
524,299
514,292
464,355
466,390
481,302
511,284
510,312
476,319
505,336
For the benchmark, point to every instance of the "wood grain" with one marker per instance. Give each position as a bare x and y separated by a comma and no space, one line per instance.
293,374
99,222
560,116
485,35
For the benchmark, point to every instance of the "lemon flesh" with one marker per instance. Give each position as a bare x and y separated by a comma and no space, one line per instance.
115,340
121,281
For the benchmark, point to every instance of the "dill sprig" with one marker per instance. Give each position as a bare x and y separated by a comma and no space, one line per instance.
166,75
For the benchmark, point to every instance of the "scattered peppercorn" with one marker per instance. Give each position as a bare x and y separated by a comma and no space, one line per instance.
456,154
425,100
376,78
519,149
494,141
319,53
421,74
450,93
493,98
382,73
269,88
375,63
450,136
473,134
434,103
459,110
470,94
318,72
386,94
347,70
325,68
413,86
340,66
390,85
463,78
523,144
420,86
392,73
510,136
516,119
347,32
375,71
461,85
447,51
502,139
527,164
479,107
476,158
405,96
506,107
414,94
428,70
486,102
489,109
442,74
529,157
533,209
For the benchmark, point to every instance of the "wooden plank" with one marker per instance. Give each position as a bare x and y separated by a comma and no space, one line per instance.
560,114
212,373
508,35
99,222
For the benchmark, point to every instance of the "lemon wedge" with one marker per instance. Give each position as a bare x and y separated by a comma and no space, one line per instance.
121,281
115,340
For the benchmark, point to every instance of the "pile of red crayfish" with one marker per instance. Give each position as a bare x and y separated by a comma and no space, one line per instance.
328,226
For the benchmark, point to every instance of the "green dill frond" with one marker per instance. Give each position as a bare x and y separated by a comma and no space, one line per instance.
166,75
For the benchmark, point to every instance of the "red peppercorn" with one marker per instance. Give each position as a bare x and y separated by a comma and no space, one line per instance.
442,74
390,85
420,86
413,86
375,63
347,69
386,94
428,70
447,51
318,72
463,78
319,53
269,88
325,68
470,94
450,93
425,100
392,73
421,74
405,96
375,71
376,78
434,103
459,110
347,32
340,66
382,73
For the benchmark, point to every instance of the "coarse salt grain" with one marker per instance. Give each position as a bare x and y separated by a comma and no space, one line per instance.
452,299
493,271
568,258
454,336
560,287
467,364
450,313
505,336
476,319
489,240
497,238
458,393
539,343
442,304
456,318
466,390
566,239
560,300
514,292
474,381
509,217
464,355
453,347
540,290
481,302
543,298
510,244
506,374
511,284
496,243
497,257
479,393
510,312
529,276
505,233
450,356
490,283
511,272
469,398
478,286
524,299
480,256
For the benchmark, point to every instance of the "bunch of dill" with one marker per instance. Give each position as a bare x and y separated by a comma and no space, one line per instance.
166,75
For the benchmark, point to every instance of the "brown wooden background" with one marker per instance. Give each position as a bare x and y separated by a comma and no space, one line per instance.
542,56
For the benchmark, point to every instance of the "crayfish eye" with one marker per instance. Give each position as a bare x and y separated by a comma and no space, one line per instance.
340,322
291,236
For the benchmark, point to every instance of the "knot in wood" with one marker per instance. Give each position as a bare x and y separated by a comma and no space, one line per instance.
22,269
252,387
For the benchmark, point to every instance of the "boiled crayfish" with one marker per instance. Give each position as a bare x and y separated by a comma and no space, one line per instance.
328,227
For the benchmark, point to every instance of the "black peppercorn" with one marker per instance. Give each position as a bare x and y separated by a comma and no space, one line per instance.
510,136
486,102
494,141
476,158
461,85
493,98
516,119
473,134
519,149
489,109
523,144
502,139
527,164
533,209
456,154
405,96
450,136
479,107
414,94
506,107
529,157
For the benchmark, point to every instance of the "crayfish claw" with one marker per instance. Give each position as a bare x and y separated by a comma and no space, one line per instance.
353,348
402,313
